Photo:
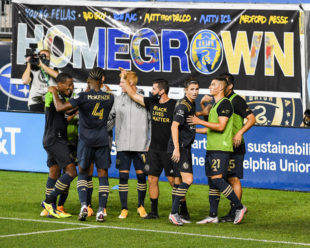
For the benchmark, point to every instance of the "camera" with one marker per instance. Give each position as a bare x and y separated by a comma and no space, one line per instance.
34,57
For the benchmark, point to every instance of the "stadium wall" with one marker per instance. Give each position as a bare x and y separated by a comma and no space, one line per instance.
277,157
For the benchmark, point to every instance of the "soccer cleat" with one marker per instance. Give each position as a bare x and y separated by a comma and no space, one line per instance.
50,208
100,217
240,214
83,213
64,213
227,218
123,214
90,211
151,215
175,219
208,219
141,211
44,213
105,212
185,218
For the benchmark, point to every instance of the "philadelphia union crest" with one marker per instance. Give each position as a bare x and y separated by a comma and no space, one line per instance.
206,52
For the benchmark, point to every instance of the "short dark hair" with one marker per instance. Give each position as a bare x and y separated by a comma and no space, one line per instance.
229,78
96,74
190,81
62,77
222,79
162,85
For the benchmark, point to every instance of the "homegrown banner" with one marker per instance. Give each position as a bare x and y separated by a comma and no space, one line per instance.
171,41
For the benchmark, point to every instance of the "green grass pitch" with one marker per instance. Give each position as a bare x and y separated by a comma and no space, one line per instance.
275,219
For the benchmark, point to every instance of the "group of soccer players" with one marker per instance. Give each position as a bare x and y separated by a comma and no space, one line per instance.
172,127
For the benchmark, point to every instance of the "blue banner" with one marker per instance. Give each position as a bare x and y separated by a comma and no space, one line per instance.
277,157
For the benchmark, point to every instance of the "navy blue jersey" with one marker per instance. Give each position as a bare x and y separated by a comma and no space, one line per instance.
94,109
187,132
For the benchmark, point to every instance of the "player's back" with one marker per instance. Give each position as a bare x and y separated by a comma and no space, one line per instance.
94,109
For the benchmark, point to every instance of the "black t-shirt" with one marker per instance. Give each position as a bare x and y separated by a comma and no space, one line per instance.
94,109
187,132
225,108
55,123
240,108
162,116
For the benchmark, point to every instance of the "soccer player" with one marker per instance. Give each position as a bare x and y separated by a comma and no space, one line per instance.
55,144
219,148
93,146
235,169
179,146
161,108
132,127
90,186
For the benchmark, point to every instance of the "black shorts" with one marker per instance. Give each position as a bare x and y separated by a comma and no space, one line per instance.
156,162
99,155
235,167
217,163
58,154
124,159
185,163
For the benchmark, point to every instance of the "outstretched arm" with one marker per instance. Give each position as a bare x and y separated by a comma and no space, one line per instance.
220,126
133,94
130,90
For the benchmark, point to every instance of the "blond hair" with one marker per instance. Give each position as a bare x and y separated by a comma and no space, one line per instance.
131,76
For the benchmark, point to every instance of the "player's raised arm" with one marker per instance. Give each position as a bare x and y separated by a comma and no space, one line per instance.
130,90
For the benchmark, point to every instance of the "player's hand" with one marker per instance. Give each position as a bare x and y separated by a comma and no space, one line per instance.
237,140
52,89
108,89
175,155
206,99
123,72
193,120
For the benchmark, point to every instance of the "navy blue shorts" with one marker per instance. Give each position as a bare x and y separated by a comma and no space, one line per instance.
235,167
185,163
124,159
156,162
99,155
217,163
58,154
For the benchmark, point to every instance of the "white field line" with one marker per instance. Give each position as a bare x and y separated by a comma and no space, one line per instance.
85,226
47,231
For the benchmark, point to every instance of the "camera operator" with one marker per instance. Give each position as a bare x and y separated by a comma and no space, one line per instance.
306,119
39,75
